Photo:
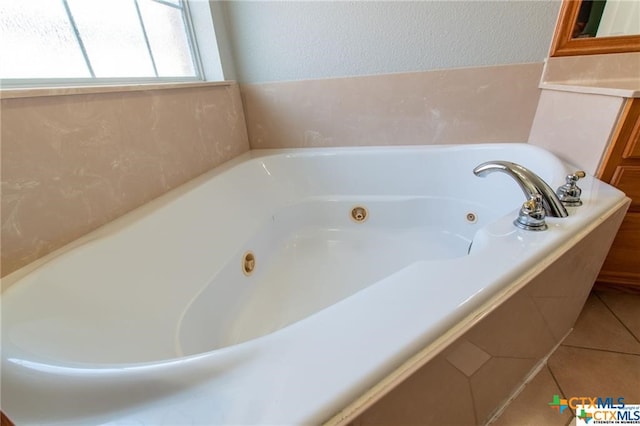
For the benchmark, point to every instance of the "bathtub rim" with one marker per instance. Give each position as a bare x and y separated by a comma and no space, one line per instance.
569,242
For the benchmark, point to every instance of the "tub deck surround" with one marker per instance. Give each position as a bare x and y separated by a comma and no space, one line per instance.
616,74
134,324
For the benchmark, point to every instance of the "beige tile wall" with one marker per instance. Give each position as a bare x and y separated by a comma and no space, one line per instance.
71,163
577,127
579,106
74,161
466,105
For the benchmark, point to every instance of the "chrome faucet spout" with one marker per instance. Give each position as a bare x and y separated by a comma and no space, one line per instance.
531,184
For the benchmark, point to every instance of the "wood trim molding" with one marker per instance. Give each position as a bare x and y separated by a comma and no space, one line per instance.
564,45
4,420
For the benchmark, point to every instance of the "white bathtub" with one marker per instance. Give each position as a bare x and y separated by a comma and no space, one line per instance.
151,318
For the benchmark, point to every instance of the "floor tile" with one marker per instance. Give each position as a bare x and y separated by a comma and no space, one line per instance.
598,328
587,372
589,363
626,307
467,357
531,407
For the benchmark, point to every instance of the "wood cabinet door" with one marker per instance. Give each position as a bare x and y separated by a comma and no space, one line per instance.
621,168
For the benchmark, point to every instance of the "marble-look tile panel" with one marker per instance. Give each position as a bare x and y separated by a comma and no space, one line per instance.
437,394
576,127
466,105
561,292
516,329
72,163
495,382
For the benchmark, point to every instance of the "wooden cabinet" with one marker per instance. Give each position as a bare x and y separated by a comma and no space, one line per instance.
632,149
627,180
621,168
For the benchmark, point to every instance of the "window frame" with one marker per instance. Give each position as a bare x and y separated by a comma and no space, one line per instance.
39,83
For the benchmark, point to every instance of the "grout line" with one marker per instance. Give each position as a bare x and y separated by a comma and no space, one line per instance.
517,357
533,373
602,350
473,402
539,366
556,381
616,316
562,392
571,422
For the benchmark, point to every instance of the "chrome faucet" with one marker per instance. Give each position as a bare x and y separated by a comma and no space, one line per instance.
569,193
541,199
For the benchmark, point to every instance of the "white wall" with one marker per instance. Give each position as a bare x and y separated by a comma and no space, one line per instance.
295,40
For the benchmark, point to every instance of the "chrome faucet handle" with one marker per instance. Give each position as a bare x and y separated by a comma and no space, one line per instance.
532,214
570,192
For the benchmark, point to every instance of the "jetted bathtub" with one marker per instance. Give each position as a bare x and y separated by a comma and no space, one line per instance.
284,285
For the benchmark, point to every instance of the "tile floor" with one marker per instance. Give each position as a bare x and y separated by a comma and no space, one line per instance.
600,357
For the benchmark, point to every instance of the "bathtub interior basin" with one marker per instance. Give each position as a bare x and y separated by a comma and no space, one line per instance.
307,256
313,254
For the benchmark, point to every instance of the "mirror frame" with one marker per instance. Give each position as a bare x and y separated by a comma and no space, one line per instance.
564,45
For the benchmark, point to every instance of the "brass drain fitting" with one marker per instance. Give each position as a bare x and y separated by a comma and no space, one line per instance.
248,263
359,214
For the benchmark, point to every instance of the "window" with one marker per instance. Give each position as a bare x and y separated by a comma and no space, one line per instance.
95,41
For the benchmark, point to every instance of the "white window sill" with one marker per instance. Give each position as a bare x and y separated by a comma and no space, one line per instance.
80,90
